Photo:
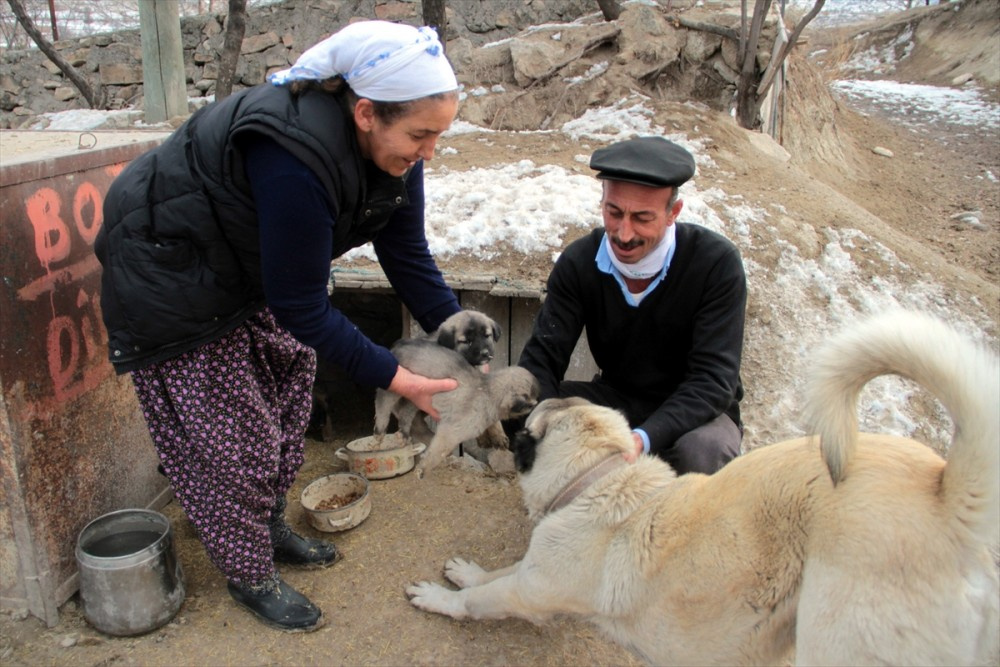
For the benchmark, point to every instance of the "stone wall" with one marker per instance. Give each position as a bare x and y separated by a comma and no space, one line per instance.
525,64
30,84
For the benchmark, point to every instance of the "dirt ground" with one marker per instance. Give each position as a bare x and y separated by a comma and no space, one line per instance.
830,176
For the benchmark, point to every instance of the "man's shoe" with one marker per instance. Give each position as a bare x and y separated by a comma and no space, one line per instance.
305,551
282,607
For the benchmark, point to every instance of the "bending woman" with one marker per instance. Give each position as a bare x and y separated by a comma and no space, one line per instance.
216,249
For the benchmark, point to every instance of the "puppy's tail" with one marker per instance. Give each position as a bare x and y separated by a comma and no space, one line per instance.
964,376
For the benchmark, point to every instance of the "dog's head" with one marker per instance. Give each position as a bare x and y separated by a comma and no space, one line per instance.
520,391
561,438
472,334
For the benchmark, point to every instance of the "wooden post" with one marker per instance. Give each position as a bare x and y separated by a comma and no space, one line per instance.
163,77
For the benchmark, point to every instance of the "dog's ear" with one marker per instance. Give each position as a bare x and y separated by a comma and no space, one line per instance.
524,445
496,330
446,336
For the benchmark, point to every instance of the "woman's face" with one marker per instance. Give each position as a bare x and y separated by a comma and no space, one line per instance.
396,146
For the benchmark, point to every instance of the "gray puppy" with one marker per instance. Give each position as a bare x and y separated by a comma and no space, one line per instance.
470,333
480,400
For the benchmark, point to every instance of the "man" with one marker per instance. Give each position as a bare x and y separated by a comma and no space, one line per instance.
663,305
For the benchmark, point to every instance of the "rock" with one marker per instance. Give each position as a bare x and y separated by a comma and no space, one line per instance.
884,152
120,73
701,45
395,11
460,53
258,43
7,101
468,463
970,218
501,461
505,19
648,42
65,93
723,70
533,58
540,53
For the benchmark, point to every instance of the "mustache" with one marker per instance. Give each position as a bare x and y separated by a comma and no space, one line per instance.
634,243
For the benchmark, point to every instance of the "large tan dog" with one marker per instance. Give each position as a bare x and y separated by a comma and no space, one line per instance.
845,550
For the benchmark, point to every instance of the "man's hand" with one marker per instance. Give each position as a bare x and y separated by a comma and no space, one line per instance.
419,390
633,456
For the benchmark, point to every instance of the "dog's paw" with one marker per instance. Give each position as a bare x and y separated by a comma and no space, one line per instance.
463,573
435,598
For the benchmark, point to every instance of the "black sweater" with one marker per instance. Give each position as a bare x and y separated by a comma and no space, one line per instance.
681,346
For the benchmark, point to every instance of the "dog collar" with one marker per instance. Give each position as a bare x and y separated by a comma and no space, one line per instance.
582,481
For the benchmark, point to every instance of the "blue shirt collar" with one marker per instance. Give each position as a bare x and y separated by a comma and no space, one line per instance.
604,265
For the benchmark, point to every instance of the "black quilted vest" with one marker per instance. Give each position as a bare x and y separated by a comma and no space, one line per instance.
179,242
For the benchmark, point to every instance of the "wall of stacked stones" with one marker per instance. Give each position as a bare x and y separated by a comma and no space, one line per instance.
30,84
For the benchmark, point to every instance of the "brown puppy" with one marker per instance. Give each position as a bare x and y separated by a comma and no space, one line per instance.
470,333
481,399
846,549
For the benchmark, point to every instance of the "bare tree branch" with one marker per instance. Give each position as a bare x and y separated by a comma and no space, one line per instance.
94,99
743,30
236,24
52,19
436,16
610,9
746,87
775,64
713,28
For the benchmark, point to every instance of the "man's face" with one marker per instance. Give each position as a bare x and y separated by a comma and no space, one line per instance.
636,218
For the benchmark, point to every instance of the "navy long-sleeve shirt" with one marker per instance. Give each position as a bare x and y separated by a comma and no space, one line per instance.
297,222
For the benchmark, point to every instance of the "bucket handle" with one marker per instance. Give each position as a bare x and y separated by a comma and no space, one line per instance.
418,448
341,454
338,523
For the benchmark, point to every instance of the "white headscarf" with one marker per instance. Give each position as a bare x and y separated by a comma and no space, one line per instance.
380,60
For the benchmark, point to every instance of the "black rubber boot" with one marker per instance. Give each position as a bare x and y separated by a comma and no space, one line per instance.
305,552
279,605
293,549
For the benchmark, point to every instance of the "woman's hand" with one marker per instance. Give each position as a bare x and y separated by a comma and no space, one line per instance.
419,390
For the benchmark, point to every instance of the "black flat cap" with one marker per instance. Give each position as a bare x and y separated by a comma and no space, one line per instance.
652,161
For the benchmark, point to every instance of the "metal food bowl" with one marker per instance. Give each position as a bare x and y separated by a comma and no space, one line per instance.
380,460
337,502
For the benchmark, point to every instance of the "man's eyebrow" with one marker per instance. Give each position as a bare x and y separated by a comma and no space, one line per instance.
645,211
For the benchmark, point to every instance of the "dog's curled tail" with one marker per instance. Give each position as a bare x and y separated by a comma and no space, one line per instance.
964,376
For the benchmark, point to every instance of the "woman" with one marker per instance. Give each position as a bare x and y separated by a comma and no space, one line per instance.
216,248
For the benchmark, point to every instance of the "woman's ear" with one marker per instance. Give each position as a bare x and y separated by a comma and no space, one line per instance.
364,114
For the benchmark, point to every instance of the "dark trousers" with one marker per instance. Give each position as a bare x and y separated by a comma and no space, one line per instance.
228,420
703,449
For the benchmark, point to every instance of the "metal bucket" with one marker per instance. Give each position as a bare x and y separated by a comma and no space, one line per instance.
130,579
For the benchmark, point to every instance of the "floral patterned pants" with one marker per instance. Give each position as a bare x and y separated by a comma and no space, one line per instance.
228,421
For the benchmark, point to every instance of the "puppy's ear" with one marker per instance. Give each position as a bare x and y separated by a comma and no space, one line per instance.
524,445
496,331
446,336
